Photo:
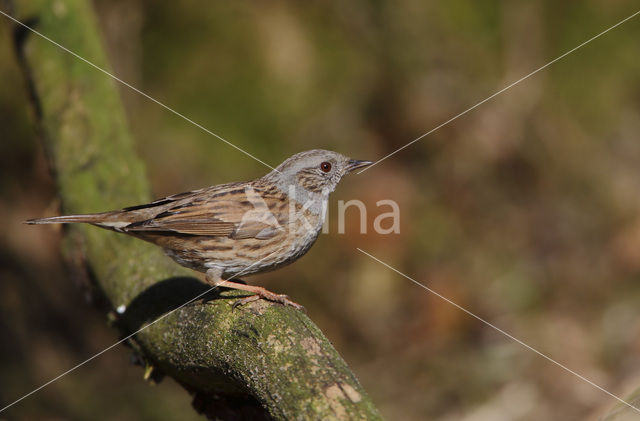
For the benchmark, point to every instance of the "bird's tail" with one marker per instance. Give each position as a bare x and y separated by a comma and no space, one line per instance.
67,219
105,220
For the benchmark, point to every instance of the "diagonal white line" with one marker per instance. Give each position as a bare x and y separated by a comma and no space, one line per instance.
133,334
500,91
135,89
501,331
103,351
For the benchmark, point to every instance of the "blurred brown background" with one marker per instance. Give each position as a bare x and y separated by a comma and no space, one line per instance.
526,211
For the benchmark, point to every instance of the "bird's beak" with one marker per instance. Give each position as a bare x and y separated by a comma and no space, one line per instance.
354,164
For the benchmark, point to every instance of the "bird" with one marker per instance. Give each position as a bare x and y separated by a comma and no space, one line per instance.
240,228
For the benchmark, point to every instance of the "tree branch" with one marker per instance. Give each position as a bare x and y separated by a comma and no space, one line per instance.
262,361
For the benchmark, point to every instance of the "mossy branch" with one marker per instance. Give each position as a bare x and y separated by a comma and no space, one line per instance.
263,361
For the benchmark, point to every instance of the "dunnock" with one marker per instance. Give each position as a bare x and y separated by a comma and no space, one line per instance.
237,228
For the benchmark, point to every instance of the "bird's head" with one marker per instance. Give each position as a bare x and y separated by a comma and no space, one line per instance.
316,171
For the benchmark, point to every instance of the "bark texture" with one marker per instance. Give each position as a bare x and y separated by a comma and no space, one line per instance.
261,361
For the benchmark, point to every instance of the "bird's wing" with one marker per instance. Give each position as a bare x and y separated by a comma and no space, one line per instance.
233,211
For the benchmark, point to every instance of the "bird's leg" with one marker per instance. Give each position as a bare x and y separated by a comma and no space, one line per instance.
214,279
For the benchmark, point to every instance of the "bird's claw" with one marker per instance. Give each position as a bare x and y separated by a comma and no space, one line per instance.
276,298
244,301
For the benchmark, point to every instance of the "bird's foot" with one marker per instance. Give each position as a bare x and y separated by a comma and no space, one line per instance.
213,278
269,296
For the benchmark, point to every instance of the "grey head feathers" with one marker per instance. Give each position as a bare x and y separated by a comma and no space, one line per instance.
312,175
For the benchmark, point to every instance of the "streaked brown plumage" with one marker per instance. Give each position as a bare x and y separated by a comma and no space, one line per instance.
237,228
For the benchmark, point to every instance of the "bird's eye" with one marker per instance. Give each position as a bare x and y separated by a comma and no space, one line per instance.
325,166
